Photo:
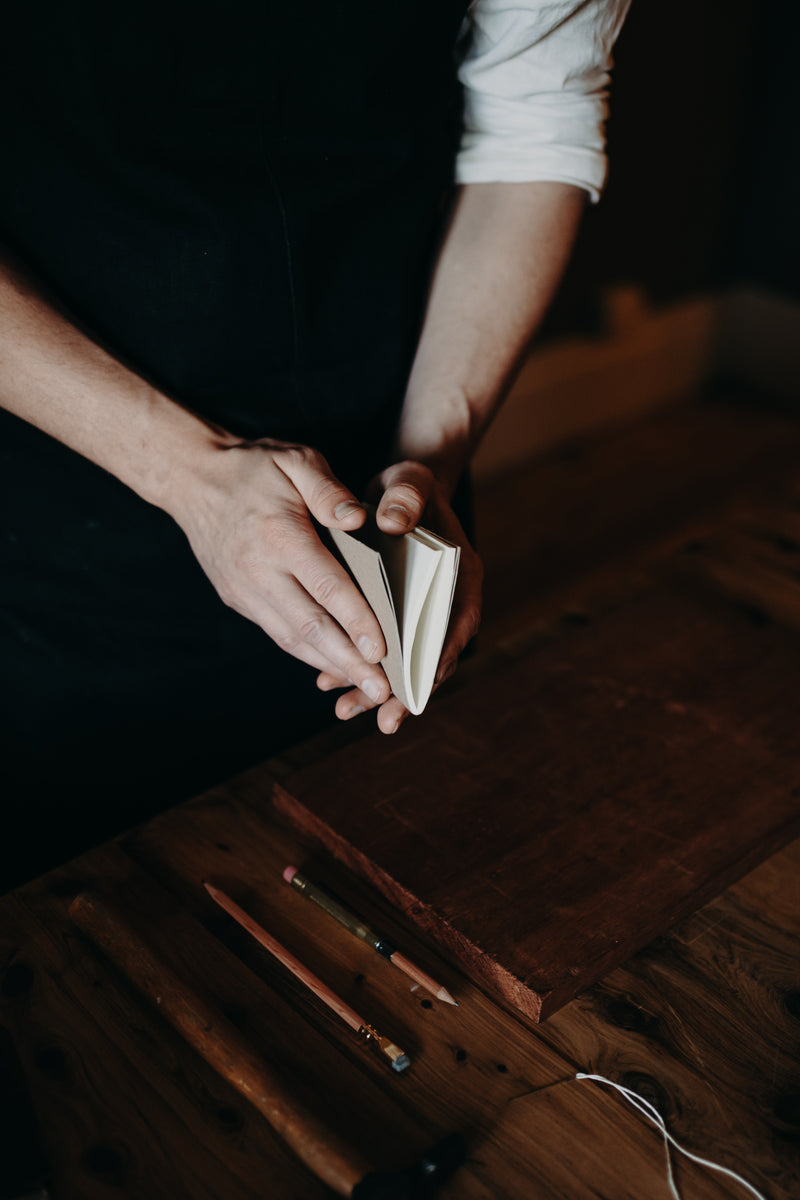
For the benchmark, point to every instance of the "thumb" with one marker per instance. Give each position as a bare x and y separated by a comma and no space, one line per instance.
407,487
328,500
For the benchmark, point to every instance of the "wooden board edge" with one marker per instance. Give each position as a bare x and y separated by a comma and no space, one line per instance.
471,958
704,894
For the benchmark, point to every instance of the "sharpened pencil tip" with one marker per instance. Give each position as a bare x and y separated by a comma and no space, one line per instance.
443,994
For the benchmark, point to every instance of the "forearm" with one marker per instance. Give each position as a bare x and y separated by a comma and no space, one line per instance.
56,378
246,507
502,258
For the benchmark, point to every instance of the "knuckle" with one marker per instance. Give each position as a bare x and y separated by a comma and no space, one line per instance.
448,670
411,467
473,622
312,631
295,455
326,493
468,624
242,560
286,641
406,493
324,588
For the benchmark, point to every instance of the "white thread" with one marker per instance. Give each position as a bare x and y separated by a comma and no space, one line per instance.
651,1112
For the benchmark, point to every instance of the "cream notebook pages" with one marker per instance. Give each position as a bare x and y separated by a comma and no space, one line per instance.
408,582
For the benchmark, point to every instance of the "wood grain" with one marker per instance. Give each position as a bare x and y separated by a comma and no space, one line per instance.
548,823
708,1022
704,1020
126,1104
218,1041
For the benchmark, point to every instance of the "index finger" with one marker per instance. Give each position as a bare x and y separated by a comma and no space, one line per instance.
327,582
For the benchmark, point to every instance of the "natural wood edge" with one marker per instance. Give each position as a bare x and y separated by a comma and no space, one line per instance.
471,958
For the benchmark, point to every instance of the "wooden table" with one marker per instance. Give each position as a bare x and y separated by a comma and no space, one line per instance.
705,1021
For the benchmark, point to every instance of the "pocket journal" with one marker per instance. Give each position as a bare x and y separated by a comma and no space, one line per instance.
408,582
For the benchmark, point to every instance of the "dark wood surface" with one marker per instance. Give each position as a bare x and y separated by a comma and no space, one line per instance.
704,1020
557,814
127,1107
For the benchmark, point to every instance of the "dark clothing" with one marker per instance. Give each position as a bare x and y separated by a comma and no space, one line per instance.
242,203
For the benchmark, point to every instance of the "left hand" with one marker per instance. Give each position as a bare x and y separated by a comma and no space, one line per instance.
407,494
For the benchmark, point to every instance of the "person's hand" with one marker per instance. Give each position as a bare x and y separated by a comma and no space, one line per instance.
247,511
407,495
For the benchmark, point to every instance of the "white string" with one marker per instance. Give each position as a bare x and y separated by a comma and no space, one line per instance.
651,1112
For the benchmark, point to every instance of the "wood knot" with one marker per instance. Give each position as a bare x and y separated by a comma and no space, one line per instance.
230,1118
53,1062
787,1109
650,1089
106,1161
577,620
17,980
791,1001
627,1015
757,617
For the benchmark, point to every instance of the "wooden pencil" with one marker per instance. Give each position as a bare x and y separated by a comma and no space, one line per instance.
398,1058
334,908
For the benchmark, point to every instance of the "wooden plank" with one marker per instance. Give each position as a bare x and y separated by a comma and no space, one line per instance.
573,522
706,1023
127,1105
123,1103
544,825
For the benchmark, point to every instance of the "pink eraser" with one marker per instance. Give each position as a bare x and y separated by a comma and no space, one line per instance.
289,874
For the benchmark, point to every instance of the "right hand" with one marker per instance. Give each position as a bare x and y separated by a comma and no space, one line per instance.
247,511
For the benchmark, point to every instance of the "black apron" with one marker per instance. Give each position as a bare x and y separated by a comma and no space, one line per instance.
241,202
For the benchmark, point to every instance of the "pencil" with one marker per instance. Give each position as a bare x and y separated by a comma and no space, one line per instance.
335,909
398,1058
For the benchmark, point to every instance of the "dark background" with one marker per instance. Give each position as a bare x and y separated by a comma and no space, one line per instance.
704,186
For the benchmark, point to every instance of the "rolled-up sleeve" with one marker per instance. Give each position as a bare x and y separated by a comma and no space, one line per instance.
535,80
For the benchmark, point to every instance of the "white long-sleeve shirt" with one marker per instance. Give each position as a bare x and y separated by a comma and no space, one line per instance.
535,82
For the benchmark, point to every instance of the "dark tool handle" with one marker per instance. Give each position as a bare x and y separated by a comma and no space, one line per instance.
23,1168
221,1045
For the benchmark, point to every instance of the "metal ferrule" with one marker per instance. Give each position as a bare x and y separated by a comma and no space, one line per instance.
397,1057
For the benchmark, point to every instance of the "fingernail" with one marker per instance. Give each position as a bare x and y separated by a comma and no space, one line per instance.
368,648
345,508
354,712
397,513
371,688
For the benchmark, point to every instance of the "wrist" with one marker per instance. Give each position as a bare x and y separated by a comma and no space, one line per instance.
185,455
436,429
